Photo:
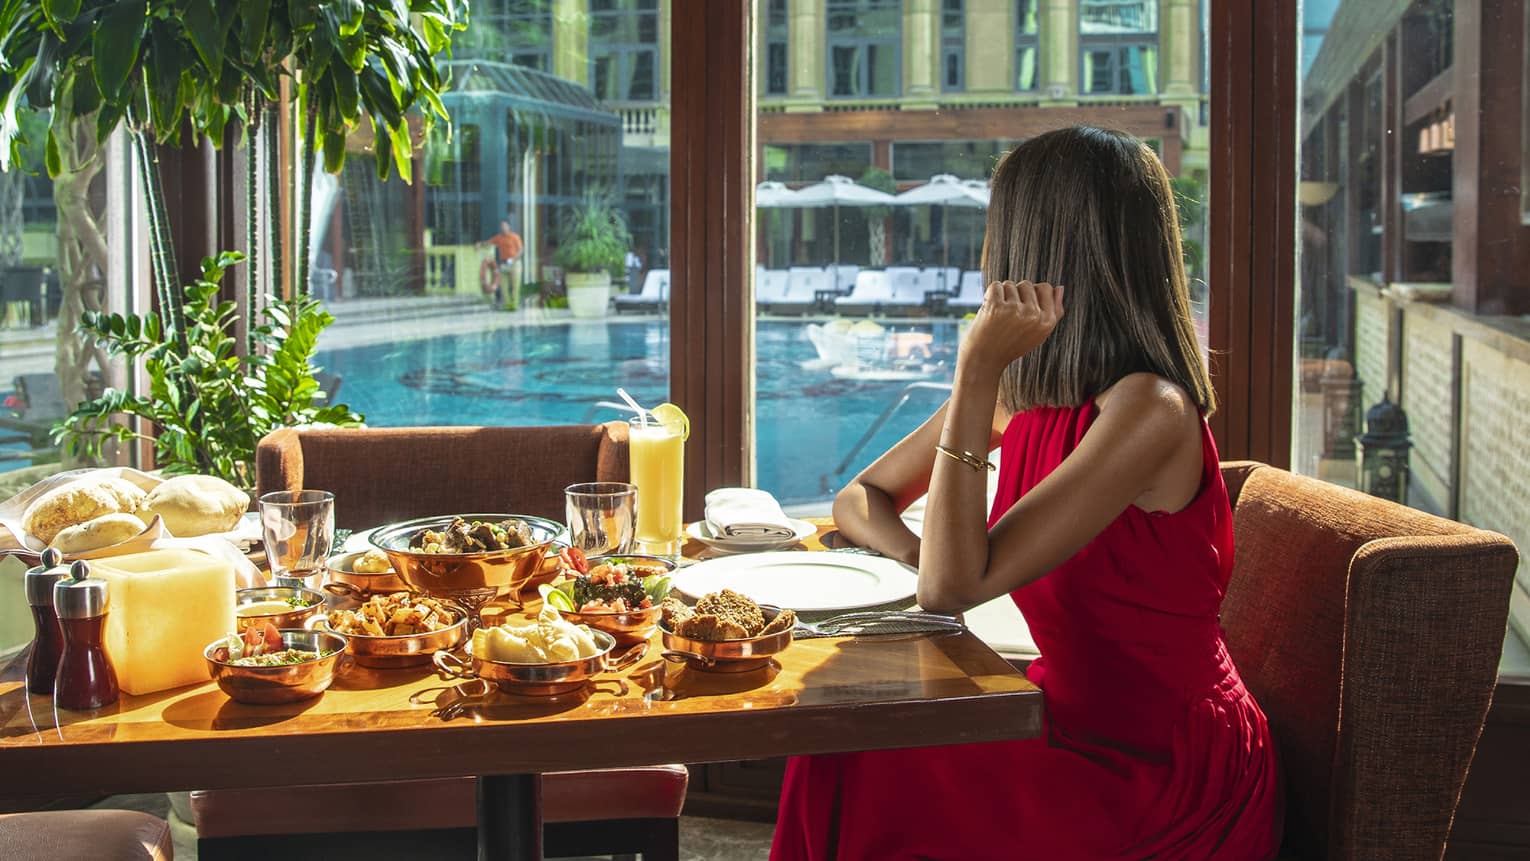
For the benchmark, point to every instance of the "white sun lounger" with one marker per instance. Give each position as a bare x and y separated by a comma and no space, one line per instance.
770,286
873,290
654,296
970,296
910,287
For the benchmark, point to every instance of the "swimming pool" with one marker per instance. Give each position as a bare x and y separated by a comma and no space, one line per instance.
807,421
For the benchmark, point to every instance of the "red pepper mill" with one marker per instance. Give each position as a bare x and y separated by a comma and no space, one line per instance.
48,642
86,679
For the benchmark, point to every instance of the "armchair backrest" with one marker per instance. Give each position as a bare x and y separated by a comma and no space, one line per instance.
1370,633
381,475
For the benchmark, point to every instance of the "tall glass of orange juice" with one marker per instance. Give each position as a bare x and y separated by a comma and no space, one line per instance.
657,453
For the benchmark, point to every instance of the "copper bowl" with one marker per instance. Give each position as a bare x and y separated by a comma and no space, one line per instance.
728,656
401,650
627,629
342,570
632,626
293,617
539,680
449,574
288,683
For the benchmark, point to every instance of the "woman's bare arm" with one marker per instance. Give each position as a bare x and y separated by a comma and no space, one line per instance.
1143,448
867,510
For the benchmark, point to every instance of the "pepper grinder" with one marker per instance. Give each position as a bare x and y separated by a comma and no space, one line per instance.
48,641
86,679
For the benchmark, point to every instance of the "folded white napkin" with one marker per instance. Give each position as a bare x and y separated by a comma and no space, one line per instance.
745,512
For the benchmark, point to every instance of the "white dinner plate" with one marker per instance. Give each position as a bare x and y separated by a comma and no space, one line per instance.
701,531
805,581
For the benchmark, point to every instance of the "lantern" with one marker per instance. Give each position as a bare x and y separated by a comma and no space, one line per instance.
1341,409
1384,452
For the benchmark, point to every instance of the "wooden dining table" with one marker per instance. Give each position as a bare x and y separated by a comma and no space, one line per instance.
820,695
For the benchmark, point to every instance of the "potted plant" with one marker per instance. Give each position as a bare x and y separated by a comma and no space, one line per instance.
209,405
593,251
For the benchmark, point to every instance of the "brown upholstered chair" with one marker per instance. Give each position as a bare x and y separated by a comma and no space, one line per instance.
1370,633
102,835
382,475
388,474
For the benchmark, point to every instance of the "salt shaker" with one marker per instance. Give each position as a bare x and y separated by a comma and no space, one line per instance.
86,679
48,641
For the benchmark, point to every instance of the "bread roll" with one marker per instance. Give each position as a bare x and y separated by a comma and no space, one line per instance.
104,531
79,501
193,505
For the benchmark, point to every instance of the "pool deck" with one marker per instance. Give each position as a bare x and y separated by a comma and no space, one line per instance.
367,321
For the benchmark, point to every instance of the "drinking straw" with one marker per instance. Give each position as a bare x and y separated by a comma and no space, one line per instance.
642,413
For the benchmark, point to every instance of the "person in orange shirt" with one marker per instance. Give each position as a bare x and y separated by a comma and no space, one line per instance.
507,249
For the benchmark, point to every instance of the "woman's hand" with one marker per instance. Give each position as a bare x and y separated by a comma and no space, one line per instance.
1015,318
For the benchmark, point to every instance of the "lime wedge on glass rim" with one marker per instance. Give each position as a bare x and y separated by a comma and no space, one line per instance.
673,417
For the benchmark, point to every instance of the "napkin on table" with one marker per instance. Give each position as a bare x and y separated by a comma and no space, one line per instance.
745,512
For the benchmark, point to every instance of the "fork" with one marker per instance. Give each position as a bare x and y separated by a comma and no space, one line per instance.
851,622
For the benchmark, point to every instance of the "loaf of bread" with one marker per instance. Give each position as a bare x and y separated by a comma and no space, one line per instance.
78,502
104,531
193,505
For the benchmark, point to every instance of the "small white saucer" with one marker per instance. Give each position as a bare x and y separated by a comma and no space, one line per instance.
702,532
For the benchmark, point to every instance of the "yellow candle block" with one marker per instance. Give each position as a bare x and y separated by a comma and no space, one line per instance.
164,607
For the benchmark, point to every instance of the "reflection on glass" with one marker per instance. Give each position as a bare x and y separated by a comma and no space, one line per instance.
54,265
861,307
1405,287
452,295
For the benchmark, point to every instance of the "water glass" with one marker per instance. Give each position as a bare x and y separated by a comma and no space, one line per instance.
602,516
298,527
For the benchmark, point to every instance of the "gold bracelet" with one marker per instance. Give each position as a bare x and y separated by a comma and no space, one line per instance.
966,457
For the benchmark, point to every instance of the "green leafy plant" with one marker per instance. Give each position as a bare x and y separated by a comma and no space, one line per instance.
1189,202
209,406
595,237
161,65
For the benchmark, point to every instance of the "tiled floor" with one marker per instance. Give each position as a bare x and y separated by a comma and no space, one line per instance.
700,839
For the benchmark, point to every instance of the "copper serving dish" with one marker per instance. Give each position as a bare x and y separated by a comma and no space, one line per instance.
342,570
401,650
470,579
293,617
288,683
539,680
728,656
633,626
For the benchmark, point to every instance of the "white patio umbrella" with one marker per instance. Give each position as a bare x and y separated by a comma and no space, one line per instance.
772,195
946,190
836,191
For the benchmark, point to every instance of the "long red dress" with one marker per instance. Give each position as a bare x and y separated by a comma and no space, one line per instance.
1152,747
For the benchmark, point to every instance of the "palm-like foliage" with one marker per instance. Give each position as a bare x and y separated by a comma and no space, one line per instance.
209,404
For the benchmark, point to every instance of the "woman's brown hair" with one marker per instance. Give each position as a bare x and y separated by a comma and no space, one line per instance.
1092,210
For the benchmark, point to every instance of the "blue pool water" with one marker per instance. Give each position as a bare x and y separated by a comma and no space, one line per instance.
806,420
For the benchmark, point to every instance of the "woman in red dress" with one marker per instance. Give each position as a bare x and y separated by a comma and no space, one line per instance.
1111,531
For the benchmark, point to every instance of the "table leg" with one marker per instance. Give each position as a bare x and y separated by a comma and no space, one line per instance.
510,817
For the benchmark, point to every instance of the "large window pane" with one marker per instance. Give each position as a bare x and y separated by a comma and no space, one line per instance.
50,274
1119,46
865,47
857,376
444,319
1409,300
